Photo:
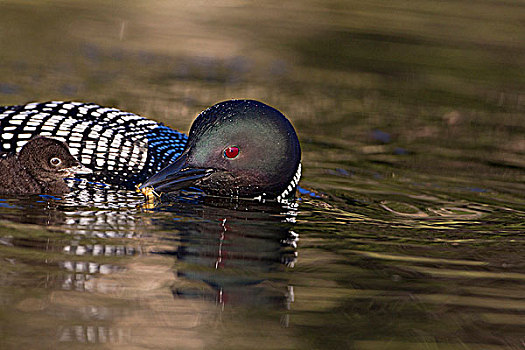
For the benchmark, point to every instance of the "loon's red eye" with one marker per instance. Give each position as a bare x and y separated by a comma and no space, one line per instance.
231,152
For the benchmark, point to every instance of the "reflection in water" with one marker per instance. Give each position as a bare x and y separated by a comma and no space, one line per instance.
94,335
220,254
235,254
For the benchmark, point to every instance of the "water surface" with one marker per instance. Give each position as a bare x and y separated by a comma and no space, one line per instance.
408,233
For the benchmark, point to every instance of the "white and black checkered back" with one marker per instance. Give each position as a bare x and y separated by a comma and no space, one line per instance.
121,147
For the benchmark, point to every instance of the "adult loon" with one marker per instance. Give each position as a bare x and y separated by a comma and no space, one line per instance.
239,148
40,167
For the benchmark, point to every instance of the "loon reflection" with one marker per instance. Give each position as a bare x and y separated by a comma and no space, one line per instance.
229,254
225,250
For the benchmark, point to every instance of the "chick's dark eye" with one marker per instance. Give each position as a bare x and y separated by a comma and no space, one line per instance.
55,161
231,152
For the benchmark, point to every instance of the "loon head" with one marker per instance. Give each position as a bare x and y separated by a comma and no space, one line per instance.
46,159
240,148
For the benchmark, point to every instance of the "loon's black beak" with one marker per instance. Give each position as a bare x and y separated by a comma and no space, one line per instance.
175,176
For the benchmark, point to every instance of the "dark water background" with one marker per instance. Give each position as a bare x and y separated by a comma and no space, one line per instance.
409,232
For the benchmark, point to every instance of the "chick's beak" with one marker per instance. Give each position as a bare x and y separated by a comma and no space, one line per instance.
78,169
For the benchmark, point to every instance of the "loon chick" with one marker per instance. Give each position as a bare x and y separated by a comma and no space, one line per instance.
235,148
40,167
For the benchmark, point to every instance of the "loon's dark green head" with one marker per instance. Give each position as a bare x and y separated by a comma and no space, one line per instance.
240,148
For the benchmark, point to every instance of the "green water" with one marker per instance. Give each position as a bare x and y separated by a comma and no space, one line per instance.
409,233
